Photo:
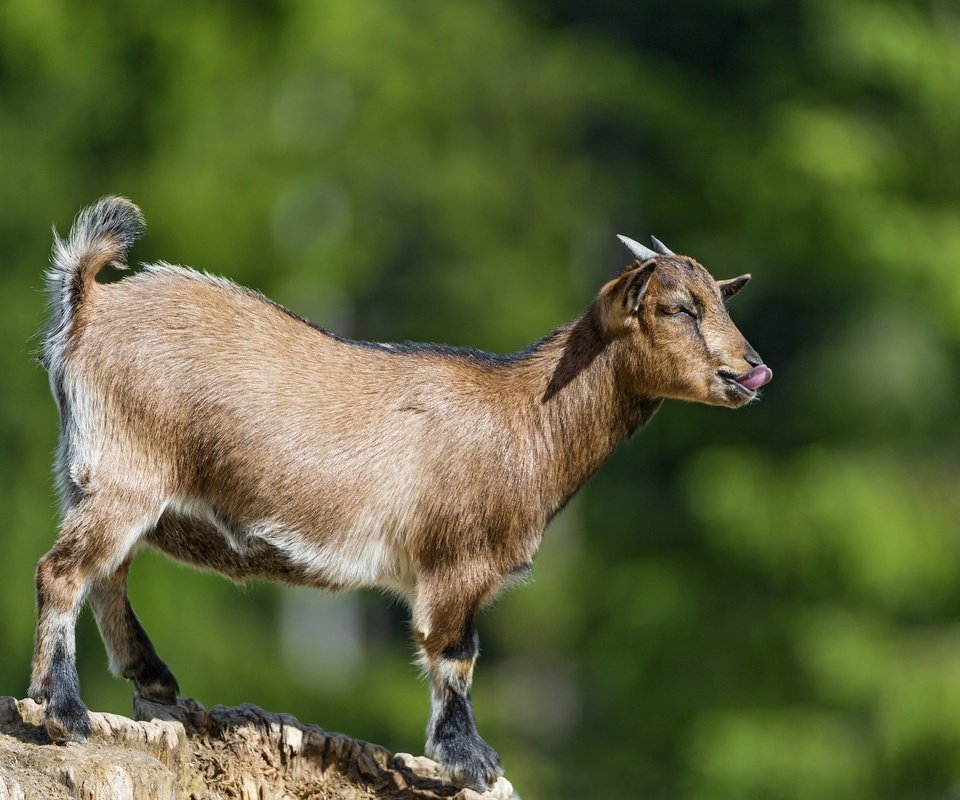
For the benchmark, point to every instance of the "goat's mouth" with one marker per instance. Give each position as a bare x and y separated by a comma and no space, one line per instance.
747,383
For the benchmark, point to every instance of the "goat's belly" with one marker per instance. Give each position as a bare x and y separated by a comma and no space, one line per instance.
277,553
201,543
347,559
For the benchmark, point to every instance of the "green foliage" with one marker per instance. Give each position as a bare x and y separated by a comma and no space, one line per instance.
761,604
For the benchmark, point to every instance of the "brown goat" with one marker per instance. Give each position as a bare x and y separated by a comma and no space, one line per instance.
202,419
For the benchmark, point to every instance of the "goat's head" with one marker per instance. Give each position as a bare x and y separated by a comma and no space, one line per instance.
671,315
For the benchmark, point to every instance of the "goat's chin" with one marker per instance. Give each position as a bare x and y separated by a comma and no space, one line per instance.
715,392
730,394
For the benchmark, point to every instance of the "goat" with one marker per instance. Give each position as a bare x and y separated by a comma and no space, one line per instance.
203,419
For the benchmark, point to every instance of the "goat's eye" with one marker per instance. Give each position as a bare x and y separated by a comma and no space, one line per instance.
672,311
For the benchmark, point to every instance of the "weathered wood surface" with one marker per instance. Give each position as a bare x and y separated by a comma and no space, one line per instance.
189,753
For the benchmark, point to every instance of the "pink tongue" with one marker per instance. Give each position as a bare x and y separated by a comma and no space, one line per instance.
755,378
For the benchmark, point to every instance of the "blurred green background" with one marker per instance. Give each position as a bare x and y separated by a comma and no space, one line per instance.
760,604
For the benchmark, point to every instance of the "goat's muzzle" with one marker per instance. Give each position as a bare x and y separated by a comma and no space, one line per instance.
741,389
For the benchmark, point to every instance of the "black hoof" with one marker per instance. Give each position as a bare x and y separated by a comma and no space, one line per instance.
67,720
159,693
155,682
469,763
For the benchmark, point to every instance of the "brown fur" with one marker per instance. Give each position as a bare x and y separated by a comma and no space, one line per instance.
204,420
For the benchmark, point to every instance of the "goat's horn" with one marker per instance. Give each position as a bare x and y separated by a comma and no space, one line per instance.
661,248
641,252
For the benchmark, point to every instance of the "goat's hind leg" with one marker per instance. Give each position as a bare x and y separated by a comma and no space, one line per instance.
97,535
449,646
131,652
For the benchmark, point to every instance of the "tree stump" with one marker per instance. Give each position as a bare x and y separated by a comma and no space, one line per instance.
185,752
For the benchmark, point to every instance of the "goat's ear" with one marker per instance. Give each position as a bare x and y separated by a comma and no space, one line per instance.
730,287
636,284
620,299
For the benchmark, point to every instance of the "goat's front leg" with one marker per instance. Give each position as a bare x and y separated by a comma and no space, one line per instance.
449,646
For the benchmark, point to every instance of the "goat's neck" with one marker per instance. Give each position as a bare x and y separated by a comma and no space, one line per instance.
584,396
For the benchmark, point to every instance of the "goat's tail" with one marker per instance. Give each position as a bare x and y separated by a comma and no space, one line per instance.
101,234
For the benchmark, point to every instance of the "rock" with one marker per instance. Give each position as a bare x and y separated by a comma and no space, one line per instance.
184,751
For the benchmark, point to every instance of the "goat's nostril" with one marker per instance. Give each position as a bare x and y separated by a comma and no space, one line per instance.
752,357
